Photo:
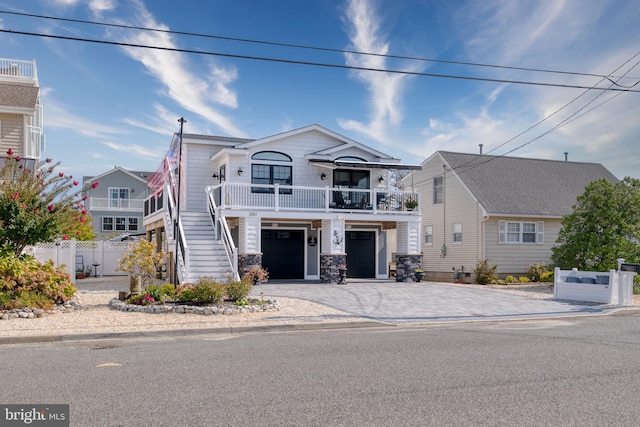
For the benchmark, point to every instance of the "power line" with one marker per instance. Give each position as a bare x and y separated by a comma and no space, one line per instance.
571,118
316,64
318,48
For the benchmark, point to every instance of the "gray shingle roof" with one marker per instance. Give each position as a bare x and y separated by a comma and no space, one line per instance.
20,96
520,186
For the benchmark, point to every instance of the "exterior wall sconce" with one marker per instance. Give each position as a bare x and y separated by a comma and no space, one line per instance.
381,179
323,176
214,176
239,171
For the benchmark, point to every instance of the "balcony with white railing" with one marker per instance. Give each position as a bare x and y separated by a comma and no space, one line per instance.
262,197
123,205
16,70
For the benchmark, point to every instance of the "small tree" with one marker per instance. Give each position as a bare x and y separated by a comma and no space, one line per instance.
37,205
604,226
142,261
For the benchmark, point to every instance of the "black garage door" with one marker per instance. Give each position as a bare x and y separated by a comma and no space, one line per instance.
283,253
361,254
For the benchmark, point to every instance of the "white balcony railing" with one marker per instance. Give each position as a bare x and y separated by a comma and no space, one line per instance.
18,70
299,198
105,204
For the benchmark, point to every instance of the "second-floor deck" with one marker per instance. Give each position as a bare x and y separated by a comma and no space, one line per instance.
281,198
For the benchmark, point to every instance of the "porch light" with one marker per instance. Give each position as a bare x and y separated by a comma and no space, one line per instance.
323,176
381,179
214,176
239,171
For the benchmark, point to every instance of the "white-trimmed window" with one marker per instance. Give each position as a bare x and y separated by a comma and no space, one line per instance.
271,167
119,197
521,232
120,223
428,235
107,223
456,230
438,187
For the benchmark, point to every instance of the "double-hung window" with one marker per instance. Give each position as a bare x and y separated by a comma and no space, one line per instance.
457,232
428,235
271,167
517,232
438,189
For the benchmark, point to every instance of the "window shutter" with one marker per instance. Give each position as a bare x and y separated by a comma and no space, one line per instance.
502,226
540,233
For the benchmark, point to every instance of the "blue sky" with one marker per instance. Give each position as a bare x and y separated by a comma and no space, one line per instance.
109,105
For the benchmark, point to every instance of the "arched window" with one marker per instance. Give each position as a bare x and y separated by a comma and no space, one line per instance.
271,167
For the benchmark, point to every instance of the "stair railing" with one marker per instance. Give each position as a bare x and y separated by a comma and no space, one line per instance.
222,232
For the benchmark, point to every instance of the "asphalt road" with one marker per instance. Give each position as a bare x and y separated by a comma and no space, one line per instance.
582,371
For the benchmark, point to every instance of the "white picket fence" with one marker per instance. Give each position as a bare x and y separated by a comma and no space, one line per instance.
102,256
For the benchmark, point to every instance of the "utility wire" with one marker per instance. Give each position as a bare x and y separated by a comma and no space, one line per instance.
298,46
562,123
571,118
316,64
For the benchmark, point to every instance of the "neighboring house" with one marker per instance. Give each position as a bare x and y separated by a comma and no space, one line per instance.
20,111
116,204
299,203
504,209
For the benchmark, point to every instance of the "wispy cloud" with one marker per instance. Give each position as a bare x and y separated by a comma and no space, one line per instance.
188,89
62,117
135,150
565,34
162,121
385,90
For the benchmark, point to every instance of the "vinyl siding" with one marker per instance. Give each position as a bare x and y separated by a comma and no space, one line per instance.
458,207
12,133
514,258
198,175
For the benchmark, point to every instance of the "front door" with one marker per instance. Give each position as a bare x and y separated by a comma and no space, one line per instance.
361,254
283,253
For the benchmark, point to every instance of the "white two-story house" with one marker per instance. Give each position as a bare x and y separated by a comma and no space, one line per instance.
300,204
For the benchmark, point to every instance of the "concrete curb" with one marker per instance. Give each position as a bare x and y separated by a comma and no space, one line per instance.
35,339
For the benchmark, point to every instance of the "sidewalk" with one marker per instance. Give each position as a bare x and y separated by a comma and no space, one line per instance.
303,305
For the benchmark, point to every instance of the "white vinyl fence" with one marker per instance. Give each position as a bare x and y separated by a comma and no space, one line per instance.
101,256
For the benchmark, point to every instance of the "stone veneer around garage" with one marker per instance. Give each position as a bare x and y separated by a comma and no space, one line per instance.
246,261
329,267
406,266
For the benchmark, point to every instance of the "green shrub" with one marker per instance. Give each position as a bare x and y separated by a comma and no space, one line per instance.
240,290
184,292
535,271
510,279
523,279
25,282
161,293
208,291
141,299
485,273
547,276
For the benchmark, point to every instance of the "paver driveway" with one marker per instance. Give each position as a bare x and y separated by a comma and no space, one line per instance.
397,302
